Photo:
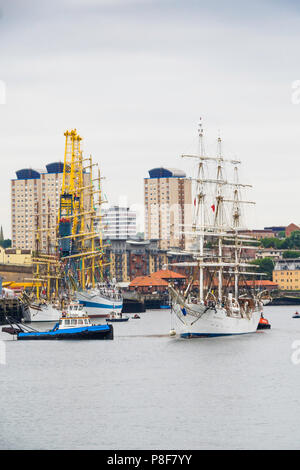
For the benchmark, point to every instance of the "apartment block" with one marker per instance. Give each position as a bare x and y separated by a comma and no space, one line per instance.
168,207
119,223
287,274
34,203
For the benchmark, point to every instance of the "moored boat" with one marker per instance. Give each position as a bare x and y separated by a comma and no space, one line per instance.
100,300
116,317
41,312
73,324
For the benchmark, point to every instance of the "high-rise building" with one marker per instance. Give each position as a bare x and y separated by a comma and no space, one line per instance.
34,203
35,199
168,207
119,223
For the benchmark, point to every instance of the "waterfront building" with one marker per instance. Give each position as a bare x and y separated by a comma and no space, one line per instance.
35,192
168,207
291,228
287,230
128,259
276,229
15,256
273,253
287,274
157,281
131,258
258,234
119,223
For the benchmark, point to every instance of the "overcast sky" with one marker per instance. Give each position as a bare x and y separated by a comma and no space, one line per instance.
134,76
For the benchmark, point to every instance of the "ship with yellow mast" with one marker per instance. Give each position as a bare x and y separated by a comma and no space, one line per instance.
80,232
48,295
74,268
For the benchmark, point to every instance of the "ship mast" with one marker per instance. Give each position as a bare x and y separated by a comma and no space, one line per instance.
77,214
199,213
225,259
219,217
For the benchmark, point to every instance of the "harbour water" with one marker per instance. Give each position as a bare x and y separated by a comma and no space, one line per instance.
145,390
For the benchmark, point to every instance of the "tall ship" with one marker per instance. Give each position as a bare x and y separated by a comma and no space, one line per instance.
73,266
49,295
80,241
223,304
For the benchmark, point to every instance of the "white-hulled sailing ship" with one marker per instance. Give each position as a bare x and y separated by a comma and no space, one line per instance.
101,300
223,305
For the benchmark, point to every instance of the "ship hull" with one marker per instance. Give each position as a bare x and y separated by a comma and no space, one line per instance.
98,306
94,332
42,313
213,323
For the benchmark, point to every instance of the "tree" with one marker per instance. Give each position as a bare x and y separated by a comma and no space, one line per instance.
291,254
5,243
265,265
295,238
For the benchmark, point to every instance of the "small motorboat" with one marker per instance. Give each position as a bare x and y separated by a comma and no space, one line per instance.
73,324
136,316
263,324
116,317
296,315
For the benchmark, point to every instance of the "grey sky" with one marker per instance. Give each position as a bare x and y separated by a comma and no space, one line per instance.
135,76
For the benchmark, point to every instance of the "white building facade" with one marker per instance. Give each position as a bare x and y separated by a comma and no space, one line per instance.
119,223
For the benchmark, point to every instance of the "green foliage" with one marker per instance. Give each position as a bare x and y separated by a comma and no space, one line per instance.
265,265
291,254
281,234
288,243
5,243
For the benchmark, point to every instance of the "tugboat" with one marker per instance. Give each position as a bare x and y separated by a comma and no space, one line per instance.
296,315
263,323
116,317
73,324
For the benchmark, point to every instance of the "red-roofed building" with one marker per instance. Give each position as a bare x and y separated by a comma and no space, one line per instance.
147,284
169,275
264,284
157,281
291,228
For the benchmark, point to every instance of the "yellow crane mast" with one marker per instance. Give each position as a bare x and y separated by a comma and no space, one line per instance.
77,213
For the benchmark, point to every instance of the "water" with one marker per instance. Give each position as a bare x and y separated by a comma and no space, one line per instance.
145,390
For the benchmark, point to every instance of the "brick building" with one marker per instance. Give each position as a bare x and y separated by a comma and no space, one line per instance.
133,258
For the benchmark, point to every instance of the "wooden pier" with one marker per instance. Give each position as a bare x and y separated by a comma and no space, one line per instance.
11,308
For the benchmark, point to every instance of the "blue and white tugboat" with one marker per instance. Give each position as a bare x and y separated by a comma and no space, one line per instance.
73,324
